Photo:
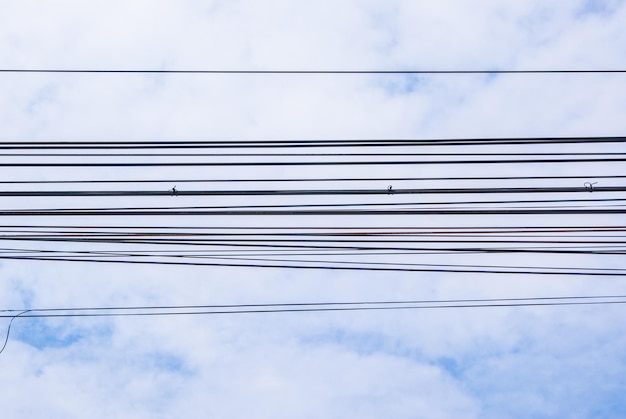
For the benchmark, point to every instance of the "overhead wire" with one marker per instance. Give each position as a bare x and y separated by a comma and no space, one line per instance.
295,192
305,143
304,180
312,306
231,248
311,71
315,163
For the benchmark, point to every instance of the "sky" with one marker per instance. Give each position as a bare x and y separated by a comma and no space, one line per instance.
510,362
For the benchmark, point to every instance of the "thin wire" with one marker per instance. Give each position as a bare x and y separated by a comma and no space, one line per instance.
387,204
373,179
170,155
231,248
401,212
455,229
342,303
253,238
6,339
319,71
168,144
203,256
321,309
355,268
300,192
314,163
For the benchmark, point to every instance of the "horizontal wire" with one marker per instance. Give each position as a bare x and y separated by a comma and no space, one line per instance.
35,312
430,230
387,204
614,271
316,71
291,266
301,192
329,309
402,212
279,252
299,238
605,249
385,142
314,163
275,180
469,268
246,234
170,155
77,254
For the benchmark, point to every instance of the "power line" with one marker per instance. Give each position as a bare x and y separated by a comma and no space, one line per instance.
13,317
314,163
276,180
310,307
319,71
224,144
103,255
302,192
318,212
368,204
362,228
325,267
213,255
328,154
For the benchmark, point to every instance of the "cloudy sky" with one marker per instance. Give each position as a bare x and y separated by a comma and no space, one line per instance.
512,362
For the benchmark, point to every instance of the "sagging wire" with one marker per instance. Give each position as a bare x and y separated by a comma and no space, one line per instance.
6,339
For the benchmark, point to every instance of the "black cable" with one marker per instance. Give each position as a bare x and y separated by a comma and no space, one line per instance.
327,267
275,180
597,250
385,142
344,303
387,204
314,163
320,307
318,71
318,212
344,154
311,192
253,239
364,236
358,229
107,254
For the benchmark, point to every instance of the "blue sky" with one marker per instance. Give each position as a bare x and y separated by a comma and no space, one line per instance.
467,363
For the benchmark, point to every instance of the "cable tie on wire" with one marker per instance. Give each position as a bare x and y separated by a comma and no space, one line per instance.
589,186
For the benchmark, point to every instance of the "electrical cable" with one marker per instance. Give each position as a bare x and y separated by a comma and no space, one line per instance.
310,72
315,163
256,144
300,192
276,180
324,306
